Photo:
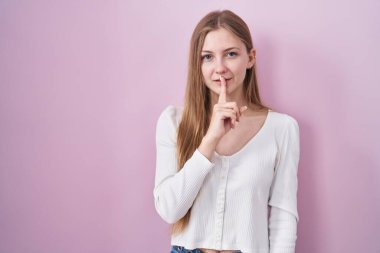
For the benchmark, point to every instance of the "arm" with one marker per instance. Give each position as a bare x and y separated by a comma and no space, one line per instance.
283,217
175,192
282,231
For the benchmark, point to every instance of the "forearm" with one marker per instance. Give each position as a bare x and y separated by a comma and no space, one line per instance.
282,231
175,194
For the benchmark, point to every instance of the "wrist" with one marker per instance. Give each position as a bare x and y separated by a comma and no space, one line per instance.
210,141
207,146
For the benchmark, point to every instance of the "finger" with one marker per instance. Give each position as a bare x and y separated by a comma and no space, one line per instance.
222,95
231,106
243,108
228,114
234,107
235,123
232,121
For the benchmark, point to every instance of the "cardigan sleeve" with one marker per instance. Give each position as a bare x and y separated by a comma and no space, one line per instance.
175,191
283,194
282,231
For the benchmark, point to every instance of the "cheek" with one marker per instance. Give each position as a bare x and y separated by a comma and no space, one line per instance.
205,72
241,70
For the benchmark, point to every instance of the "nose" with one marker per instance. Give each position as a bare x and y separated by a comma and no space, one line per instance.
220,67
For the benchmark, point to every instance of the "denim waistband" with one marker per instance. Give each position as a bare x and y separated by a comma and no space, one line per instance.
180,249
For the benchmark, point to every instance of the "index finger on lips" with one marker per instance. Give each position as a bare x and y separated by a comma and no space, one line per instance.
222,95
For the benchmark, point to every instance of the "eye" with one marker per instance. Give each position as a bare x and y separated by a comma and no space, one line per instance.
206,57
232,54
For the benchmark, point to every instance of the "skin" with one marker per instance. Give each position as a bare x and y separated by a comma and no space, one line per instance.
224,56
224,63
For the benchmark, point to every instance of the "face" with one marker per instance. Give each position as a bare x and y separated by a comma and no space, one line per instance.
224,54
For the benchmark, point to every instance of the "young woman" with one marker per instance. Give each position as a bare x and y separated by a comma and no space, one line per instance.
226,169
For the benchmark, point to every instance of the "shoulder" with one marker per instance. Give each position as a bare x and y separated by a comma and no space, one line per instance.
171,113
282,119
169,120
283,124
167,124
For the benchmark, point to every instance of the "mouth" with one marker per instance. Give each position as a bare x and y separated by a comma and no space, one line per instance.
217,81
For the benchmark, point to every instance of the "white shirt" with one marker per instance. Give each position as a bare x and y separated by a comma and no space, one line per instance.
246,201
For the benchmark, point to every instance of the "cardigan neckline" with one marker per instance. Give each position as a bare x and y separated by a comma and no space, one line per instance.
251,140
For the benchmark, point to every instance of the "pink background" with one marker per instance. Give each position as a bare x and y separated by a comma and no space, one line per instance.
82,84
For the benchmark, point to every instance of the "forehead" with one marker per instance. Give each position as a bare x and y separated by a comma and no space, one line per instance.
221,39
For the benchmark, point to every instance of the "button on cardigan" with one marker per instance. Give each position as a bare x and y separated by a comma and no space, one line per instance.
246,201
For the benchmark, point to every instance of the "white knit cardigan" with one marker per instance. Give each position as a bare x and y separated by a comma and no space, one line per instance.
246,201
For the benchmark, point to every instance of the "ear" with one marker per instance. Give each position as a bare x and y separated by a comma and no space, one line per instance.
252,58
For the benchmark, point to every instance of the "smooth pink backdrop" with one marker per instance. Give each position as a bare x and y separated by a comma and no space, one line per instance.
82,84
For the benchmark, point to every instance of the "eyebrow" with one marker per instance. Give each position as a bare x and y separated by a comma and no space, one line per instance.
228,49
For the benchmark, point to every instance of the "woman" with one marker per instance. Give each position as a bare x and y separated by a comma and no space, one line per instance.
226,174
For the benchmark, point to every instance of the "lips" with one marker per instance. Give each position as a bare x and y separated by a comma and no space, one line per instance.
218,80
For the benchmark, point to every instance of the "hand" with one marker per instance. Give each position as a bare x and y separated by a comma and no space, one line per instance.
225,115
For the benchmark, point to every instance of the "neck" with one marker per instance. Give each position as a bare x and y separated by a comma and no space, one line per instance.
235,97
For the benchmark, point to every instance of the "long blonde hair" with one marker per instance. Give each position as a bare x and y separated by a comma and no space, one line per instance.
195,117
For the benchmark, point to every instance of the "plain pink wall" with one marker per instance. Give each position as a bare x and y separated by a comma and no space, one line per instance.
82,84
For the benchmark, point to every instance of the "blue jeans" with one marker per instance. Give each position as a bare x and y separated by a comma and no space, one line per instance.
180,249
